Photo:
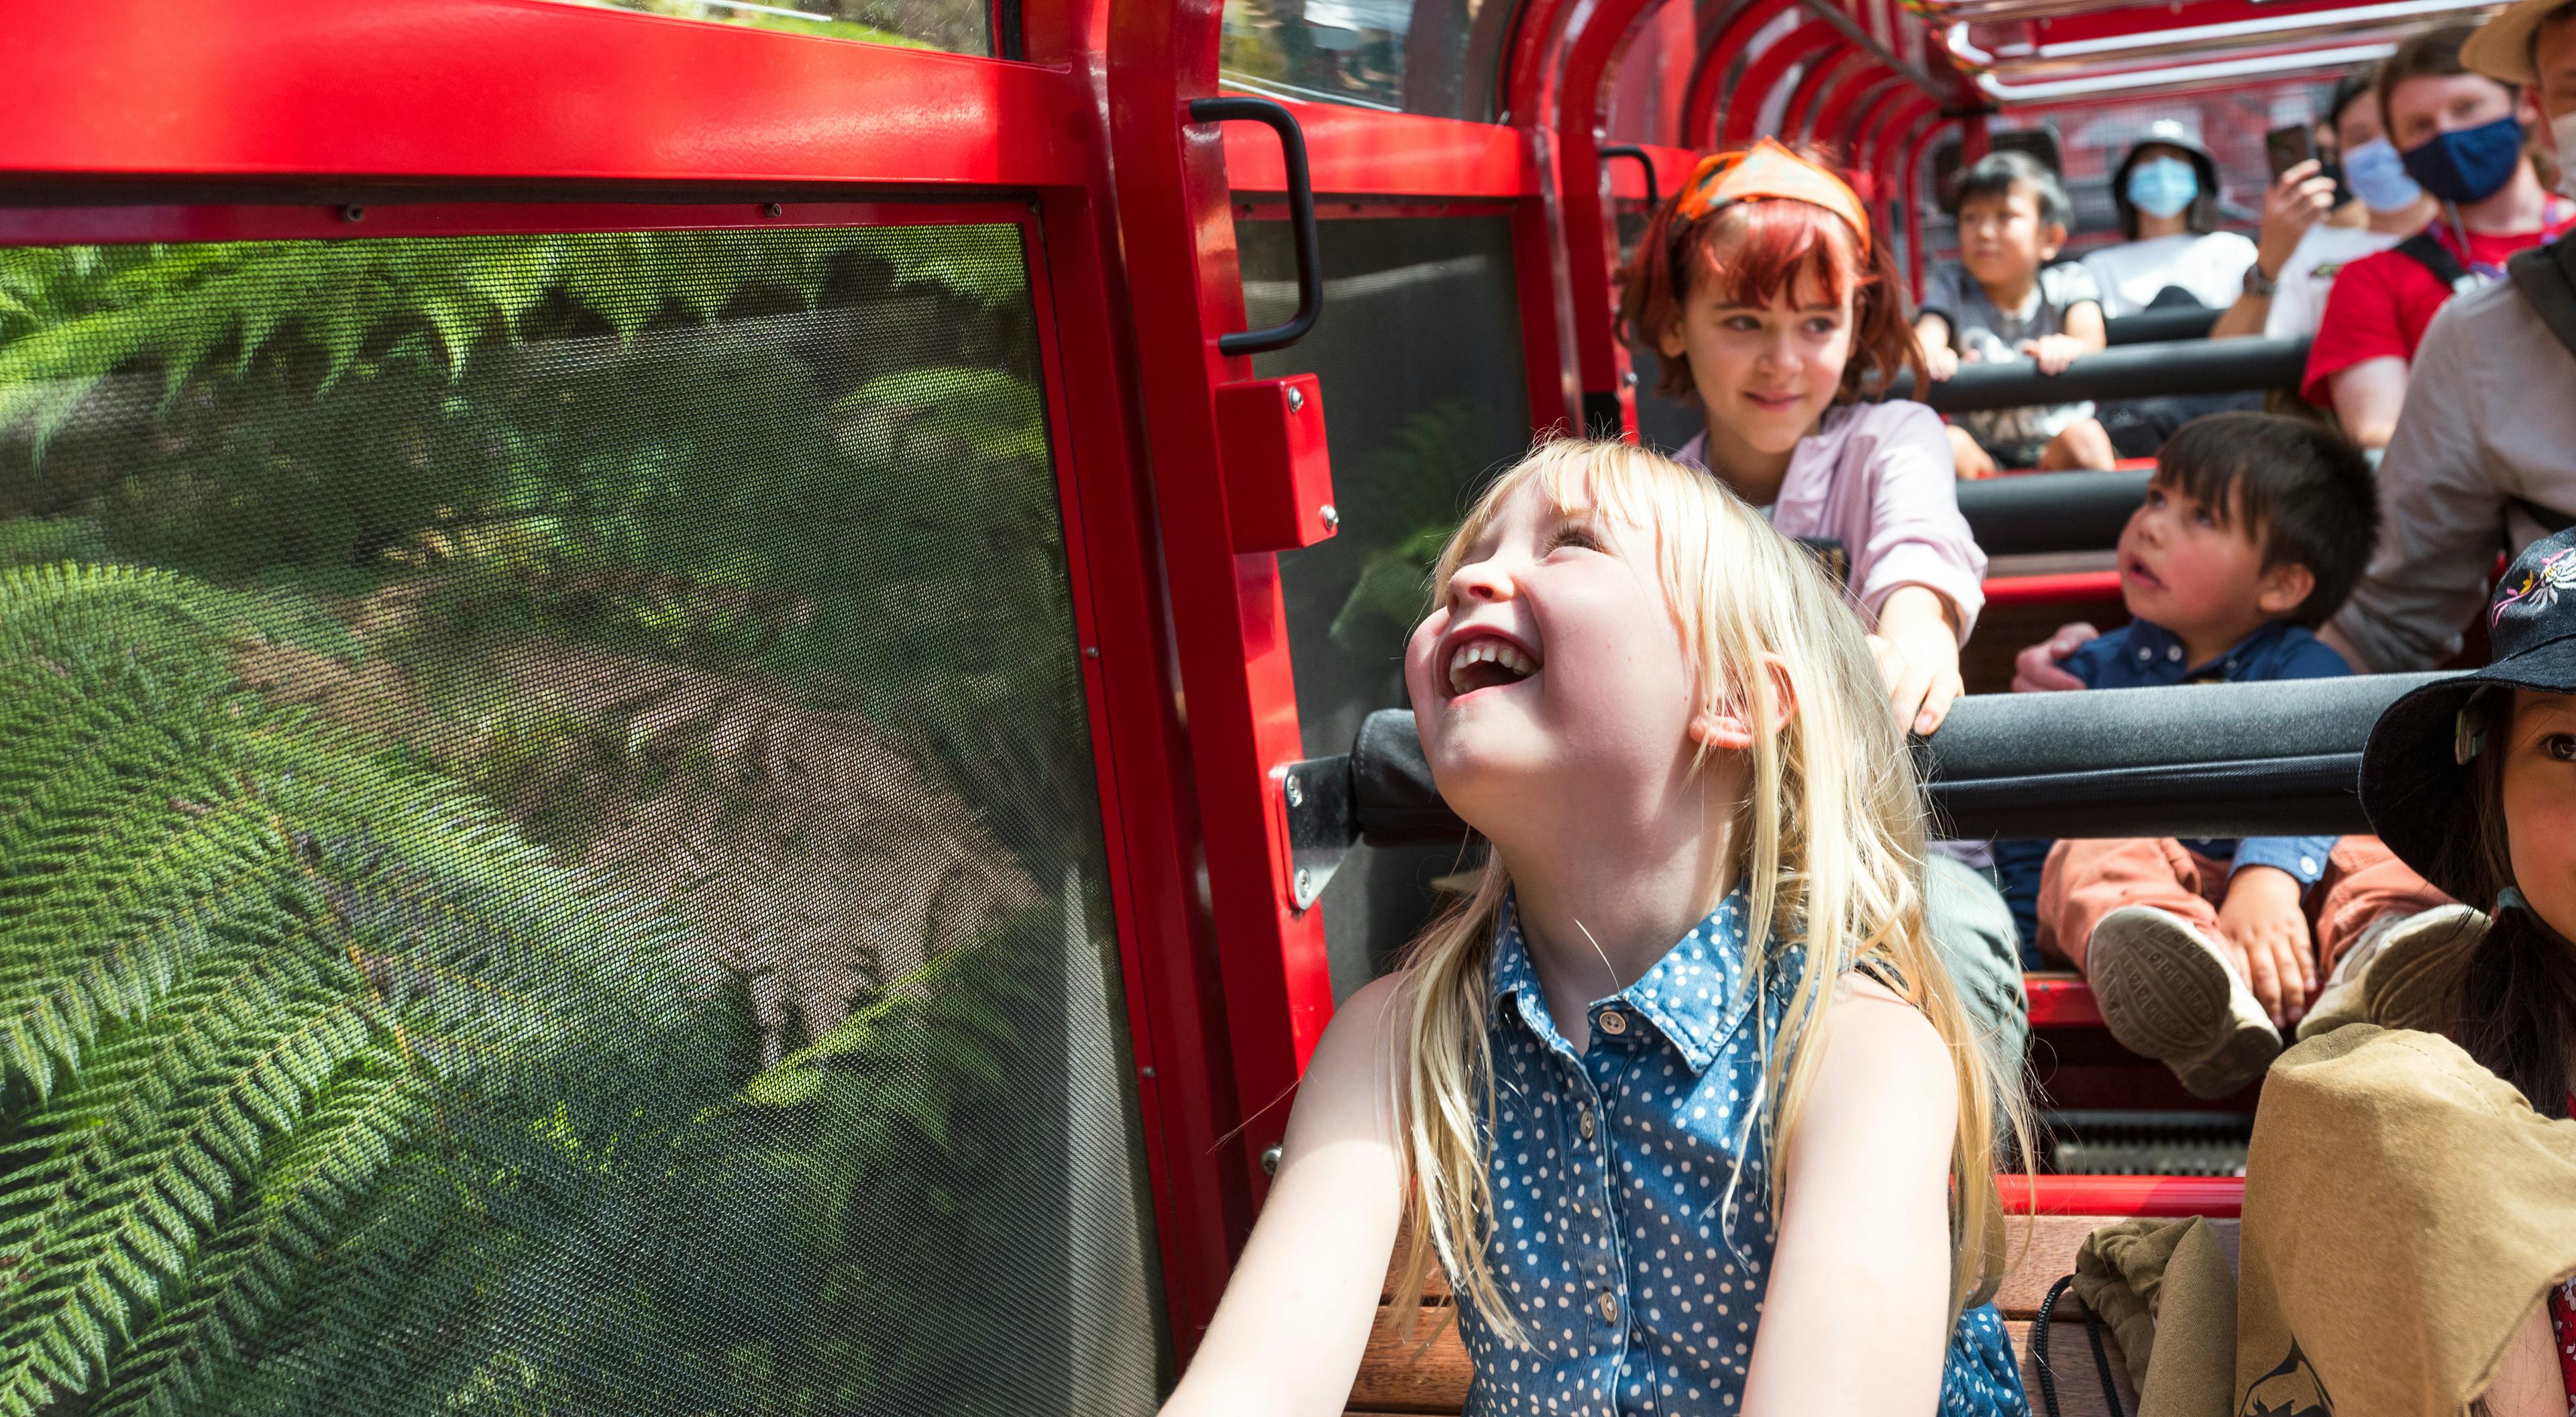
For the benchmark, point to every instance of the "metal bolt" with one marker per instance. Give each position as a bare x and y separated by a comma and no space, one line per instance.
772,209
353,213
1296,794
1305,888
1270,1161
1296,398
1328,516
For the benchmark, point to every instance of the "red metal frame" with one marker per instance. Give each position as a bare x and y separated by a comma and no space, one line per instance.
2215,1196
1228,619
1808,43
395,106
1707,91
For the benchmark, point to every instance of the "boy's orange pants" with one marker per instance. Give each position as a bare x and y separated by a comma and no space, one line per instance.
2086,880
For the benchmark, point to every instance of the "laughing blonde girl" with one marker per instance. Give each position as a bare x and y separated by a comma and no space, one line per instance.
1681,1099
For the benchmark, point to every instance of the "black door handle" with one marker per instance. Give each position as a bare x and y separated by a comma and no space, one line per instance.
1301,218
1638,156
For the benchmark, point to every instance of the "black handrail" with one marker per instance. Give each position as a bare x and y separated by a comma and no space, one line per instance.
2209,366
2165,322
2057,511
1644,160
1301,219
2204,760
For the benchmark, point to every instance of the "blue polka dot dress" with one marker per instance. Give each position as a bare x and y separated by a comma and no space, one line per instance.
1635,1268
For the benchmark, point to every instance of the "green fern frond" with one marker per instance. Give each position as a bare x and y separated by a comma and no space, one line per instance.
251,964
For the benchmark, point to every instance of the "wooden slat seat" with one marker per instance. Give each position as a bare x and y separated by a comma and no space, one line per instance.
1430,1373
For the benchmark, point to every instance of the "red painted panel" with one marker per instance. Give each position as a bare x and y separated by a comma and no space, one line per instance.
2217,1196
2076,586
510,90
2065,1001
1356,151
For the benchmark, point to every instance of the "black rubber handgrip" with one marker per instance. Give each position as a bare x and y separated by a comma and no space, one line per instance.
2207,366
2166,322
2055,511
2190,761
1301,219
1645,162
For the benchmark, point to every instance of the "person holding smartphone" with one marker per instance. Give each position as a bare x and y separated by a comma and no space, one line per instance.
2306,238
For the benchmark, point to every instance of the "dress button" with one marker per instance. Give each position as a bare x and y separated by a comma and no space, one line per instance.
1583,1122
2307,867
1609,1307
1614,1022
2173,651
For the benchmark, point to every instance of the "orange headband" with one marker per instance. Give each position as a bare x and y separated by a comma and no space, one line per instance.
1769,172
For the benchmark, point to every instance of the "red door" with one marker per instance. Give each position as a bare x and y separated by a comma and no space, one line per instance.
601,804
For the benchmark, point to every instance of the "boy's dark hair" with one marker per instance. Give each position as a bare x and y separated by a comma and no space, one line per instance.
1997,173
2433,54
2305,495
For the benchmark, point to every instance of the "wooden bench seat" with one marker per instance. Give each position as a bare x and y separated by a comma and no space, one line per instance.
1400,1376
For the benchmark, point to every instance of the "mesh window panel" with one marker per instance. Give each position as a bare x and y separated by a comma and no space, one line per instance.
548,855
1419,350
955,26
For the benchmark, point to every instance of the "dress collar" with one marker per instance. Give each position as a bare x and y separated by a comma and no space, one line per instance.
1695,995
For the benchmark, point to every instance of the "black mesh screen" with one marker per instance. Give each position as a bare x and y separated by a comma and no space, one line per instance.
548,857
1419,350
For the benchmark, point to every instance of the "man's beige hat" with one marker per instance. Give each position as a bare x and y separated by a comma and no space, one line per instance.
2501,48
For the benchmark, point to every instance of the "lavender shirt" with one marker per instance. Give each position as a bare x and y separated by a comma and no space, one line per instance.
1878,478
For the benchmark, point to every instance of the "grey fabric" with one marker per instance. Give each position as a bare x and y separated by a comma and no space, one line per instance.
1973,929
2485,431
1986,332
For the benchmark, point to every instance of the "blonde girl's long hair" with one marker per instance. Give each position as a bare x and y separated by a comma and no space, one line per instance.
1829,842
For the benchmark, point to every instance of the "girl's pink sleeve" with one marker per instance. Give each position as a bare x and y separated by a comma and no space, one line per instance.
1916,535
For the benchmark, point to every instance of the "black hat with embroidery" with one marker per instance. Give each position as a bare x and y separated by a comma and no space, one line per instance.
2415,772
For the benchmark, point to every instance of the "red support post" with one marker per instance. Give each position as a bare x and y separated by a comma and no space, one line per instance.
1707,92
1805,44
1824,73
1228,619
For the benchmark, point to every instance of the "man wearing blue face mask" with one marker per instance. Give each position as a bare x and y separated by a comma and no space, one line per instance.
2166,190
2484,460
2305,241
2461,136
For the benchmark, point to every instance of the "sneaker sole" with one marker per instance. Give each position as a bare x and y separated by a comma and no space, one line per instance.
2165,994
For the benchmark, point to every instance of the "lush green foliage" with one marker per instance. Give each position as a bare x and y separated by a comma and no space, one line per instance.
330,1078
280,1012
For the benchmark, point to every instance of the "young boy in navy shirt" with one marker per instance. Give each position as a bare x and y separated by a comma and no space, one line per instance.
2200,953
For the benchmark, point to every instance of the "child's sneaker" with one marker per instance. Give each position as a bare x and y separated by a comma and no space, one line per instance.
2168,992
2404,972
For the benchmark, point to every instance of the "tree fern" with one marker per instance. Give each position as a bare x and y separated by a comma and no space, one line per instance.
250,963
77,318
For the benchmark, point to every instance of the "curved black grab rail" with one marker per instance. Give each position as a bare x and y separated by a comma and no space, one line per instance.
2170,322
2209,366
2057,511
1644,160
1301,219
2212,760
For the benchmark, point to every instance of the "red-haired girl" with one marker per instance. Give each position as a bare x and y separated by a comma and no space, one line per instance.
1774,307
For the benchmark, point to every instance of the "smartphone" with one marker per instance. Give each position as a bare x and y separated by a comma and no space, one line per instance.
2286,148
